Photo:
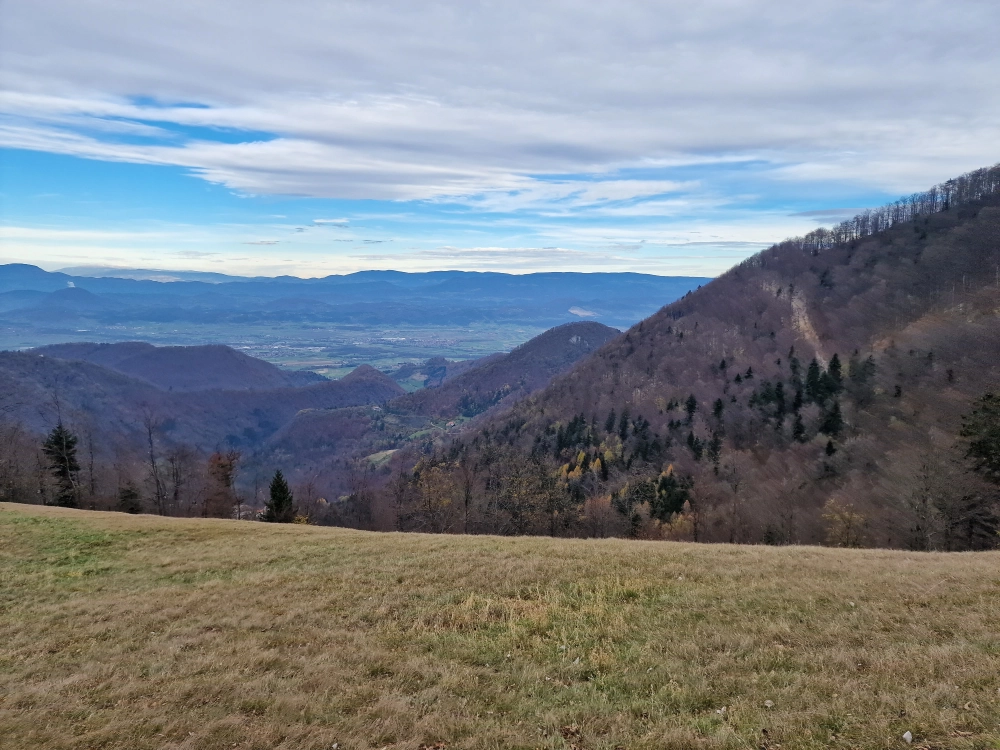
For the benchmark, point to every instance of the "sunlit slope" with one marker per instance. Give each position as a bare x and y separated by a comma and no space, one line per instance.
144,632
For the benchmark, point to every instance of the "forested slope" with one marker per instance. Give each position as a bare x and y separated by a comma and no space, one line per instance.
813,393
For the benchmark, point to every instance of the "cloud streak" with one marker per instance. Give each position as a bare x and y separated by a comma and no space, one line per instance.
401,102
485,134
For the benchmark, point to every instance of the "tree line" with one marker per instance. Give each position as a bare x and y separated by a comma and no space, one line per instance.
952,194
174,485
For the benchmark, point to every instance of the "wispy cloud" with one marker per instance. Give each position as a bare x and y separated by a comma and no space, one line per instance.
610,131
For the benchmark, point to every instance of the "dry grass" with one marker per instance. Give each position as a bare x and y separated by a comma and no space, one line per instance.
143,632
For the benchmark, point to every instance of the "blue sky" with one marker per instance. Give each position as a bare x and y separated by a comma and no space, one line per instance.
315,138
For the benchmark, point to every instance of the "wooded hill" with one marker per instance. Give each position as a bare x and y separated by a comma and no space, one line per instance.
184,368
146,421
813,393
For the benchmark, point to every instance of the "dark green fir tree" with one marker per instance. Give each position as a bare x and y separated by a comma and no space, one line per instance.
60,449
280,507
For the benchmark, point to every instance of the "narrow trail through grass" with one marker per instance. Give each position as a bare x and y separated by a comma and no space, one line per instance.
140,632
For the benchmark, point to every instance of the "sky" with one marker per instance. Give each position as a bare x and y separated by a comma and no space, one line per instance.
316,137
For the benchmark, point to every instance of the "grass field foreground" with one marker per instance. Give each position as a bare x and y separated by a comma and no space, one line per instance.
140,632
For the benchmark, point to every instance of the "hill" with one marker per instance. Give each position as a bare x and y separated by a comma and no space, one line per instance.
507,377
113,408
132,632
813,393
184,368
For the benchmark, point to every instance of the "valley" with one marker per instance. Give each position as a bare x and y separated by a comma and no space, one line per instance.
329,325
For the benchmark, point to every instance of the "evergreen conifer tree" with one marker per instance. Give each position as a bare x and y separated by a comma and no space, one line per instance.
981,428
718,408
623,425
60,448
798,428
833,421
813,376
280,507
691,406
797,401
836,373
128,499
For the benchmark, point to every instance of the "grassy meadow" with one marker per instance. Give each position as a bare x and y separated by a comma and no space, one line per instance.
137,632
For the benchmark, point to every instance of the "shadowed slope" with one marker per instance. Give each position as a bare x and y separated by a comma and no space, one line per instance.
506,377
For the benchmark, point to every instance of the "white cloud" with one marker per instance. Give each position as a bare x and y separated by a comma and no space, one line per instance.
473,100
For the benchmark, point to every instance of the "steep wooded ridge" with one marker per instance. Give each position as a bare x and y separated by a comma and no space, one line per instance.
813,393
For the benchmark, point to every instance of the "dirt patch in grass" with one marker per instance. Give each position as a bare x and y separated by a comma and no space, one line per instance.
142,632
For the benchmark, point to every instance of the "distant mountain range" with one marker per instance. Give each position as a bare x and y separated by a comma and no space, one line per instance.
30,295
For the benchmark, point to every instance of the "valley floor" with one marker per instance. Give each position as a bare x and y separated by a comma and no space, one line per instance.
136,632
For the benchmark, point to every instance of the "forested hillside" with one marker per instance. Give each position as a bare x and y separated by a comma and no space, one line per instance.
145,425
814,393
507,377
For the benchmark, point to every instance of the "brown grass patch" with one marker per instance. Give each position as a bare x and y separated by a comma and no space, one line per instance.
143,632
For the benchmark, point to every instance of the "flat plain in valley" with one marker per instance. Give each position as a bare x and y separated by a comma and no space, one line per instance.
331,349
135,632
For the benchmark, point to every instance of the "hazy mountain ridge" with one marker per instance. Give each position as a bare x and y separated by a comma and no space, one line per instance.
382,296
324,446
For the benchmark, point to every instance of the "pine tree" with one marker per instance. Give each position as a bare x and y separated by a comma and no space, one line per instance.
813,386
981,428
836,373
833,421
691,406
60,449
797,401
280,507
715,448
128,499
623,425
798,429
718,408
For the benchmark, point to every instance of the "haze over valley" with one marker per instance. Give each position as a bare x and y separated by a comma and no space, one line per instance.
329,325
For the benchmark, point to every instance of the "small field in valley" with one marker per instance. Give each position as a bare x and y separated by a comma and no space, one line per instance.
133,632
